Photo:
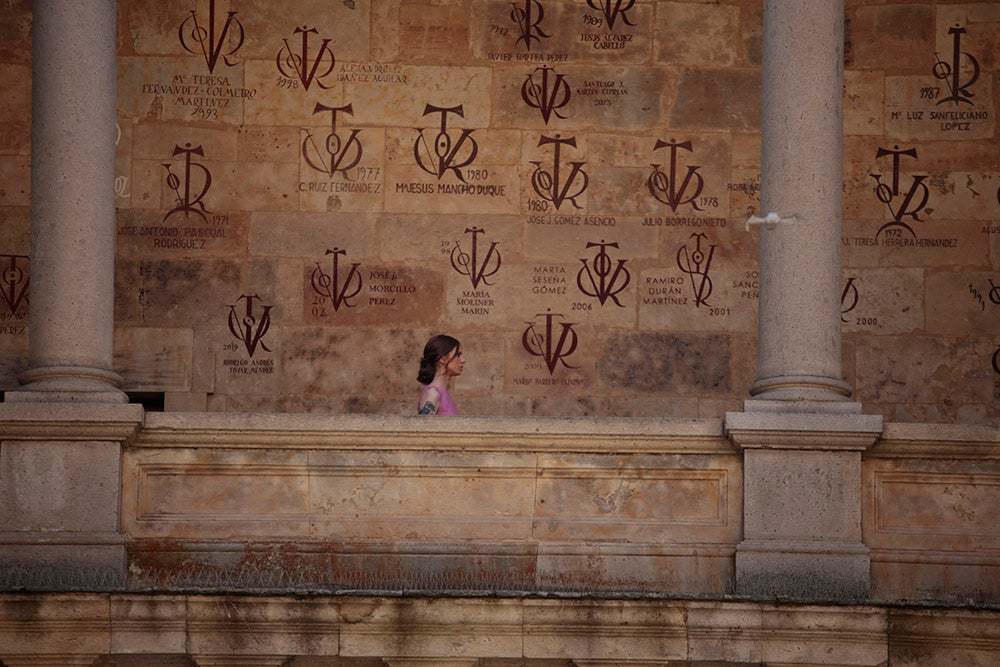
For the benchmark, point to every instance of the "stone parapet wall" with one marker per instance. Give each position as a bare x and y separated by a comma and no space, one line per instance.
361,631
305,194
501,505
404,503
930,497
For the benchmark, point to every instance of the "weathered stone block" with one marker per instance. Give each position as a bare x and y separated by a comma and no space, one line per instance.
891,38
698,35
668,363
717,100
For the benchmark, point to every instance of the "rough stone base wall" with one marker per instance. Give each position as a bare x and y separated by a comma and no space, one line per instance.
127,630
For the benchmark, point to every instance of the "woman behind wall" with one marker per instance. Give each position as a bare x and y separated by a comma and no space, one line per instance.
442,360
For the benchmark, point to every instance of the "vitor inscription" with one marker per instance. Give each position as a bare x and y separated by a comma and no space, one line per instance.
947,105
995,362
190,236
523,26
696,263
603,279
572,220
371,73
901,204
448,154
386,287
546,279
249,321
977,294
14,290
608,13
247,327
554,343
477,265
611,11
603,93
663,291
848,299
15,280
197,37
664,187
462,189
682,221
959,79
199,96
338,155
337,288
299,63
748,285
121,182
527,17
553,185
191,186
546,90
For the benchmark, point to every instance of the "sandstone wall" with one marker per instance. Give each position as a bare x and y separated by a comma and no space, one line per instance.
306,191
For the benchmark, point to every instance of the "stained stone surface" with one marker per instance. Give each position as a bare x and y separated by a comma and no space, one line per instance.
555,183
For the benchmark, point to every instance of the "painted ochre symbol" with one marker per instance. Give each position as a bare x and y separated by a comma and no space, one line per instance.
248,328
549,185
14,281
848,299
330,286
913,201
196,39
605,280
546,94
186,203
331,158
447,154
477,268
664,187
951,73
545,345
527,16
304,65
697,264
612,10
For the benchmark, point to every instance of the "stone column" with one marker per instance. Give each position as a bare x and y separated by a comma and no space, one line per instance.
73,97
801,435
60,454
802,181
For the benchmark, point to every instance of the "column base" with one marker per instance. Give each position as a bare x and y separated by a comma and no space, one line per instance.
803,570
794,388
68,384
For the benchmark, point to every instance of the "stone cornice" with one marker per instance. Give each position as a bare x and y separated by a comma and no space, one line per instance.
937,441
254,629
413,433
803,431
69,421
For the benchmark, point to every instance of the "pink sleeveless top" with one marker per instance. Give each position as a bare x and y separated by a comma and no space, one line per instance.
447,406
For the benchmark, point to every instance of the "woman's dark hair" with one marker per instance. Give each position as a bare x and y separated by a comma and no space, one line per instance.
438,346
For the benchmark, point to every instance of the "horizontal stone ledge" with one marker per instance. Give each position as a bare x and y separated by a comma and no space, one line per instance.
59,537
588,630
397,547
935,557
803,431
405,432
70,421
937,441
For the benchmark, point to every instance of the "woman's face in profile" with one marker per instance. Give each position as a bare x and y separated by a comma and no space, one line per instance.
454,362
